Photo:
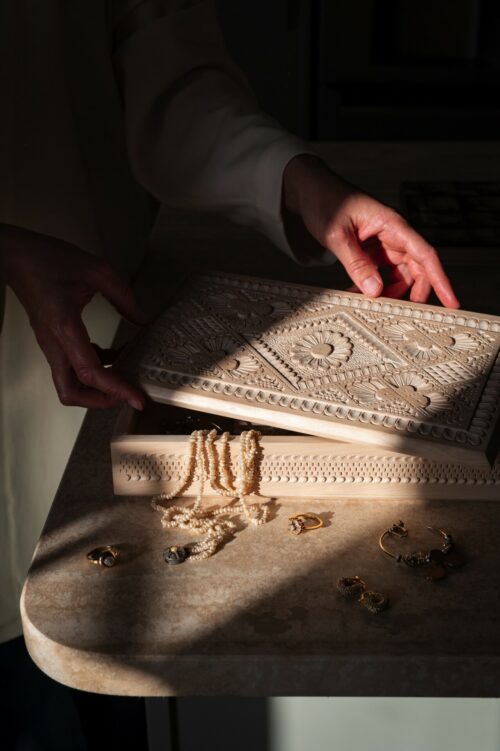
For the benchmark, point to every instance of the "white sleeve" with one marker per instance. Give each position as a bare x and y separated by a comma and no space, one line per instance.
195,134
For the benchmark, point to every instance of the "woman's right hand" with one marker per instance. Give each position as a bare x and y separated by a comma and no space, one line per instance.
54,281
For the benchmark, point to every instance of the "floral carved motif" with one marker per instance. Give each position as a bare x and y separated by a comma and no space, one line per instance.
321,350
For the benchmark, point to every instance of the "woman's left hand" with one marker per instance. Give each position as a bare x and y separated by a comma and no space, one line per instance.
364,234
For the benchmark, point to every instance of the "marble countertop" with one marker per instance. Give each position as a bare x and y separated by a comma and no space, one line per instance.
262,617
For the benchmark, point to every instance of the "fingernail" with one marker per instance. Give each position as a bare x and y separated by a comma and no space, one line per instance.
136,404
371,286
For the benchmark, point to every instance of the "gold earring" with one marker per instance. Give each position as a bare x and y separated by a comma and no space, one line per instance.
437,559
375,602
352,587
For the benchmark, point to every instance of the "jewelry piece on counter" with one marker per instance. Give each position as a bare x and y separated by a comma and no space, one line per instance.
375,602
104,556
437,559
297,524
175,554
207,463
350,586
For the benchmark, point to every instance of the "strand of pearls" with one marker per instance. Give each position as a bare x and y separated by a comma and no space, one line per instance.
207,463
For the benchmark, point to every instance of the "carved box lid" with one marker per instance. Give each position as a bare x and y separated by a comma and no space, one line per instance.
411,378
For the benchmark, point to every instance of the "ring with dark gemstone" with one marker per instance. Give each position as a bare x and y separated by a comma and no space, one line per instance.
175,554
106,555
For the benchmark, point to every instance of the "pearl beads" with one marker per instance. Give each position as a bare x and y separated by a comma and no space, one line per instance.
209,464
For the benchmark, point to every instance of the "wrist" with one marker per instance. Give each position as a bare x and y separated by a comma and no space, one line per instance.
308,183
299,176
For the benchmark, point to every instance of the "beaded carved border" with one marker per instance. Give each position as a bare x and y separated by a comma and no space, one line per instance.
314,470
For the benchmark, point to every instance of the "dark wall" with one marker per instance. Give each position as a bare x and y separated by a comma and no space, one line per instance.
395,69
270,41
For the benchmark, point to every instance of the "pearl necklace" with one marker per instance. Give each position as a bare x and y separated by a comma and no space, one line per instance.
207,463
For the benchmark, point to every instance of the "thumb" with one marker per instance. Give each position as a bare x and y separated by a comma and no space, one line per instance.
357,263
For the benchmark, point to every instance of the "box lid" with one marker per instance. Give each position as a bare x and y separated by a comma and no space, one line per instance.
412,378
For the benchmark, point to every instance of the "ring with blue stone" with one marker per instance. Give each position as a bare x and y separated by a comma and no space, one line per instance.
175,554
105,555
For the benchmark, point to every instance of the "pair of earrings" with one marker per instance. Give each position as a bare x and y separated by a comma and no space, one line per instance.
352,587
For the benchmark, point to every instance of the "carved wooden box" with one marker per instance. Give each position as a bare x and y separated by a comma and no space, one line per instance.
385,398
396,376
147,461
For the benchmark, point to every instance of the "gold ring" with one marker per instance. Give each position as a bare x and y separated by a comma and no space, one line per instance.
297,524
103,556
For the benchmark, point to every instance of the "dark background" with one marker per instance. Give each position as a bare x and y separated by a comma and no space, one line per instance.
371,69
395,70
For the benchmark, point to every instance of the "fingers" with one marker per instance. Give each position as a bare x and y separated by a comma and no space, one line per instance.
104,279
79,377
399,282
69,390
421,289
356,262
400,236
84,360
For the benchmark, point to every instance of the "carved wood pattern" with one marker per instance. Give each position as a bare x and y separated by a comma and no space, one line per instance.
328,363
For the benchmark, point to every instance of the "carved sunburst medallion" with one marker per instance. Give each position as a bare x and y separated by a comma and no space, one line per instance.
416,343
228,354
429,344
216,353
188,355
408,389
463,342
323,349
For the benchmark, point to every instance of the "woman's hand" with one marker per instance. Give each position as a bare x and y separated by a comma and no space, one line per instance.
54,281
364,234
